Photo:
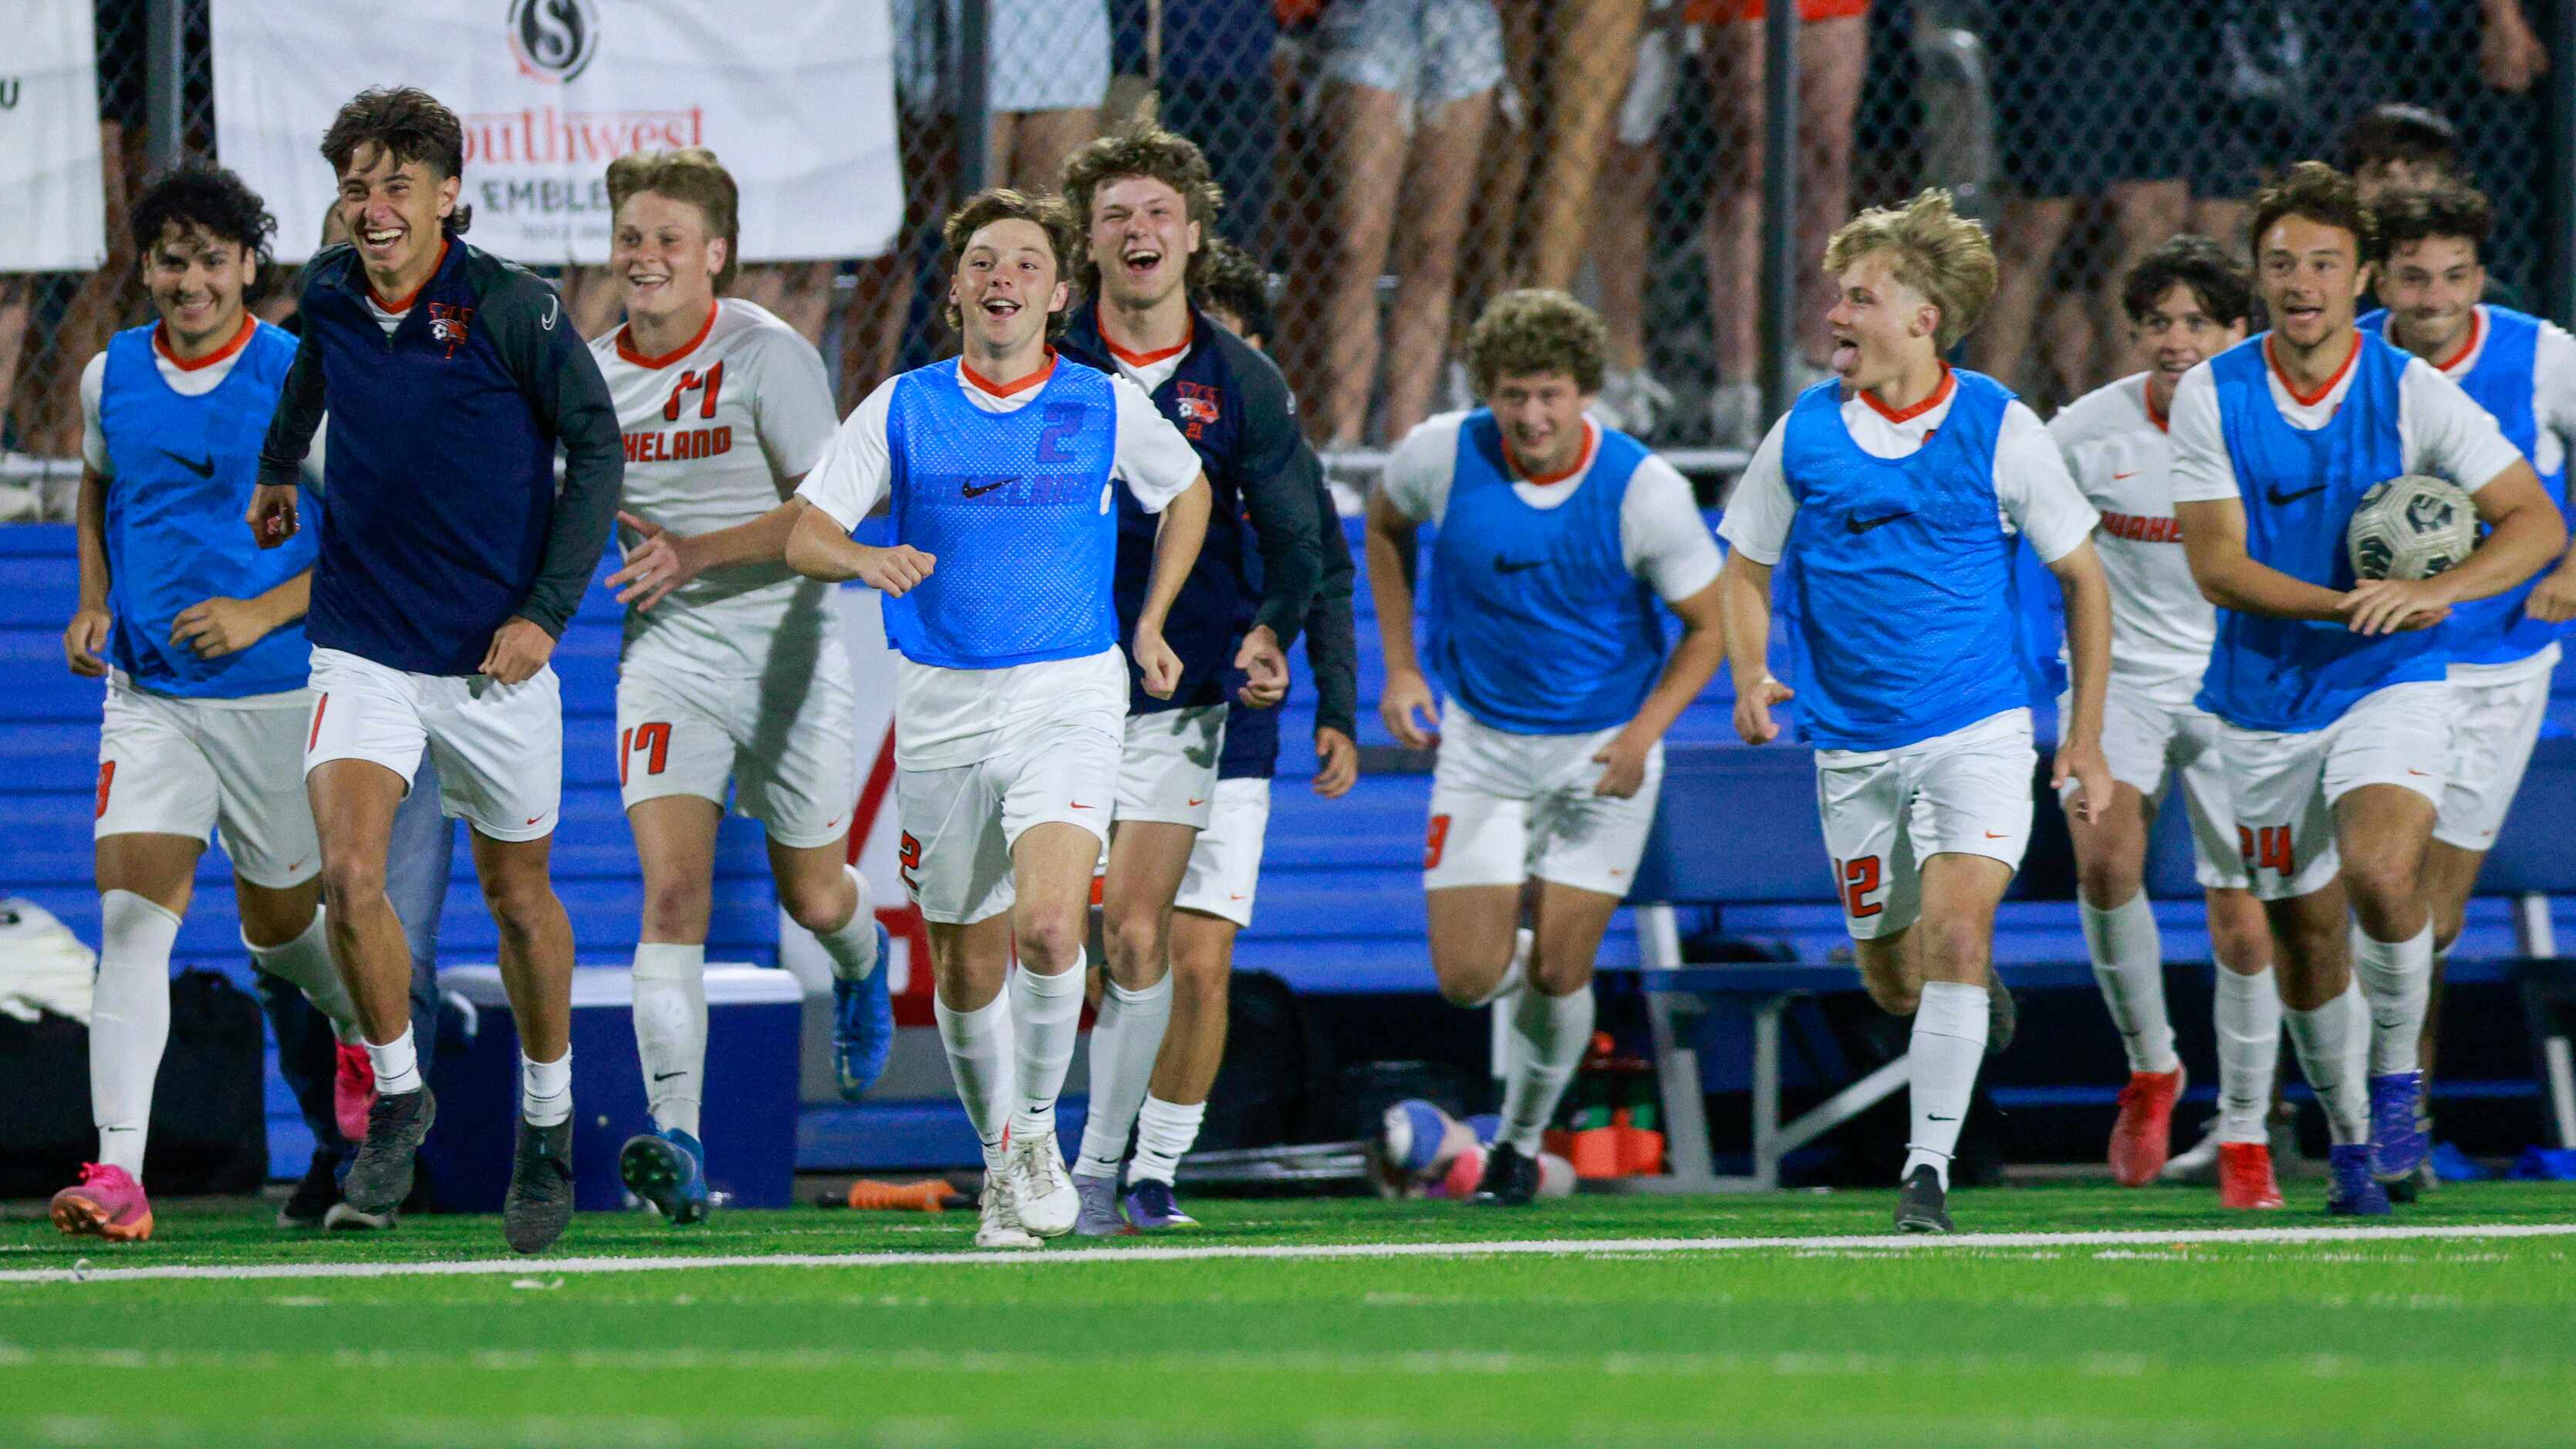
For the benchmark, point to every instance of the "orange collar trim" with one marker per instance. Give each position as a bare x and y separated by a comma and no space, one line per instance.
1148,359
1582,460
1939,395
1007,389
2311,399
626,344
2468,348
2155,415
241,339
404,304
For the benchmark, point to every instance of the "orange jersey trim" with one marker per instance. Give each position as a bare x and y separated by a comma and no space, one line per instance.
1148,359
404,305
1939,395
241,339
1583,460
1006,389
626,344
2311,399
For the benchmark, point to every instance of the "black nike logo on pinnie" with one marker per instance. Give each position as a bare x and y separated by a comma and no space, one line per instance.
2280,498
1516,565
1864,525
666,1076
205,469
972,490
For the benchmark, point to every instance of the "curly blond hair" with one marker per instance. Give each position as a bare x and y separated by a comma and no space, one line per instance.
1000,203
1943,256
1536,330
1143,149
691,174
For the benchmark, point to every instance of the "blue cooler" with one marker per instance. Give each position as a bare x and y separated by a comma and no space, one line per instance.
754,1016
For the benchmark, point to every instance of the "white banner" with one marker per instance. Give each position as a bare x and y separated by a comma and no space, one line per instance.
796,97
53,199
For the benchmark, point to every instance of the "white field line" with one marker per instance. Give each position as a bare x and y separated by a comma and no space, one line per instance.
1541,1248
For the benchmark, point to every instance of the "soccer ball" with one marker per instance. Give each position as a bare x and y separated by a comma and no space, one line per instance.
2411,527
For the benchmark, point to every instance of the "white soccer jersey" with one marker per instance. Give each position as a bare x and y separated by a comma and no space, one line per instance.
2161,628
1662,537
950,717
714,433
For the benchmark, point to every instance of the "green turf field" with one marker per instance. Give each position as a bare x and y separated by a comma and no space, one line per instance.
1646,1321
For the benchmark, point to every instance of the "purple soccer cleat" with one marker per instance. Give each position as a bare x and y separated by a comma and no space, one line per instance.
2351,1192
2397,1144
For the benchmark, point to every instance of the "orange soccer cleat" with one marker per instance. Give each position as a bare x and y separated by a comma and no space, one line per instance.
2245,1176
2143,1137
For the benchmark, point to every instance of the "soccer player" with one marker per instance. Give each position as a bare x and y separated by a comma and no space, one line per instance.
2185,301
2335,712
732,669
1888,498
1011,699
1557,537
1147,200
449,563
1216,894
196,633
2522,370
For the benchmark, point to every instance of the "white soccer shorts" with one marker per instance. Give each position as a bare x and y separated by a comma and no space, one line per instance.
2144,737
1885,812
1167,772
960,823
499,748
1508,808
2285,784
171,766
787,743
1225,864
2493,727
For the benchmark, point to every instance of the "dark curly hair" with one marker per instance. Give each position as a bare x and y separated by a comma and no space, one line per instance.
196,194
407,123
2446,208
2217,281
2316,192
1001,203
1239,286
1143,149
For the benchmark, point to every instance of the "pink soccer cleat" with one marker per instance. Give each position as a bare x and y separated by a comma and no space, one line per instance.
353,1091
107,1202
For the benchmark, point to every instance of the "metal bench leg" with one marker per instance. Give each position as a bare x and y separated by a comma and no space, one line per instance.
1766,1091
2561,1065
2533,933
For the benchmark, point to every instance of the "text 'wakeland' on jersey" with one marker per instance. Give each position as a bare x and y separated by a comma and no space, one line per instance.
441,516
2503,376
2299,488
1538,626
179,482
1016,507
1235,410
1902,574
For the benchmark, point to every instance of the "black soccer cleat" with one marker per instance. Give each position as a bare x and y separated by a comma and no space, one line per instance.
379,1176
315,1195
2003,1016
1510,1180
539,1206
1923,1205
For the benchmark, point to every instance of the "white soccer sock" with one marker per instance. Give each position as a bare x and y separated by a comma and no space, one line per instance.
1046,1011
1548,1037
671,1030
1949,1043
2248,1018
1165,1133
1125,1038
129,1023
2323,1040
853,945
2129,964
545,1089
2397,977
1515,974
397,1065
305,964
984,1065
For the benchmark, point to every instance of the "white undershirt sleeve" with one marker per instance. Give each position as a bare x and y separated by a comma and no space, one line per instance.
1758,513
2201,470
2036,492
1420,470
791,402
1662,535
2553,381
857,466
1158,463
93,386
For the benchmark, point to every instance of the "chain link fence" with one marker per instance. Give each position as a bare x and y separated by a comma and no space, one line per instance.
1396,163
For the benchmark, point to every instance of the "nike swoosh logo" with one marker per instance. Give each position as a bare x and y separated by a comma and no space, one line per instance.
1238,895
2132,473
666,1076
971,491
205,469
1996,834
531,820
1198,802
2280,498
554,309
1936,1117
1864,525
1516,565
1078,805
2426,774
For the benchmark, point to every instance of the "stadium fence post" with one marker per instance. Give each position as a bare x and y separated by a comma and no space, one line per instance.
1779,206
974,96
164,90
2562,168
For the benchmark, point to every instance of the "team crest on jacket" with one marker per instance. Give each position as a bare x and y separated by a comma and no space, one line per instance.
1197,404
447,324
